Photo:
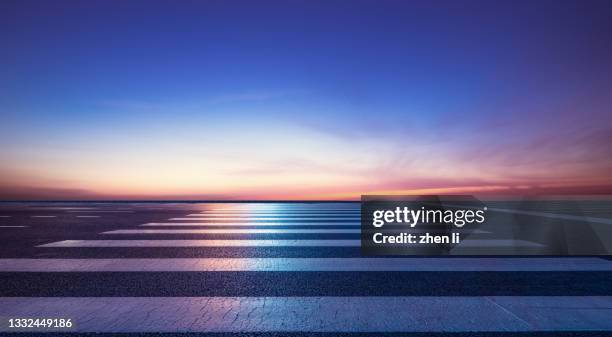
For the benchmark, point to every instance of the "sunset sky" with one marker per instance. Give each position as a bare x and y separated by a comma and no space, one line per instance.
303,99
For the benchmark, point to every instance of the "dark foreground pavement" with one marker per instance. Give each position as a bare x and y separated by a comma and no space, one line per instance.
302,275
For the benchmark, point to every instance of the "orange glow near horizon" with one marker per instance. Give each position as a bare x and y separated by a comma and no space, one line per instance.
298,165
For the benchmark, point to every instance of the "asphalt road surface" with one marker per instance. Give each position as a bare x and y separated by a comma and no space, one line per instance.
272,269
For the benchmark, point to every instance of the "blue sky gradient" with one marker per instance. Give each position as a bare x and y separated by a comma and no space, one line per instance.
303,99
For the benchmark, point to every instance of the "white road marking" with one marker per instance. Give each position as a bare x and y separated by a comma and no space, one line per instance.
282,212
289,224
268,218
233,231
319,314
204,243
245,224
100,211
285,209
273,215
264,243
71,208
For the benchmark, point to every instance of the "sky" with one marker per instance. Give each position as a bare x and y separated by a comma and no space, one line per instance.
324,100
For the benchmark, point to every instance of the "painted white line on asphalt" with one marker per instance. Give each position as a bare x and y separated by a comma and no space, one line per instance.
267,218
283,209
5,216
304,264
233,231
265,243
13,226
275,215
319,314
100,211
204,243
289,224
246,224
43,216
277,212
77,208
87,216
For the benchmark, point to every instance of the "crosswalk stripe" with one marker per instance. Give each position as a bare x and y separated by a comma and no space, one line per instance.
235,231
265,218
273,215
304,224
285,208
104,211
269,231
67,208
204,243
319,314
302,264
246,224
269,218
280,220
264,243
357,211
277,214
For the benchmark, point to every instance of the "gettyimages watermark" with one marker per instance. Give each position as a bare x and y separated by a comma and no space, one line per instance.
465,225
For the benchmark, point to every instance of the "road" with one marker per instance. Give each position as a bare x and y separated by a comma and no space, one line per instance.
272,269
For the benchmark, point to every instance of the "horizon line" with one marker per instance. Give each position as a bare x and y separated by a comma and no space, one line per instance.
193,201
